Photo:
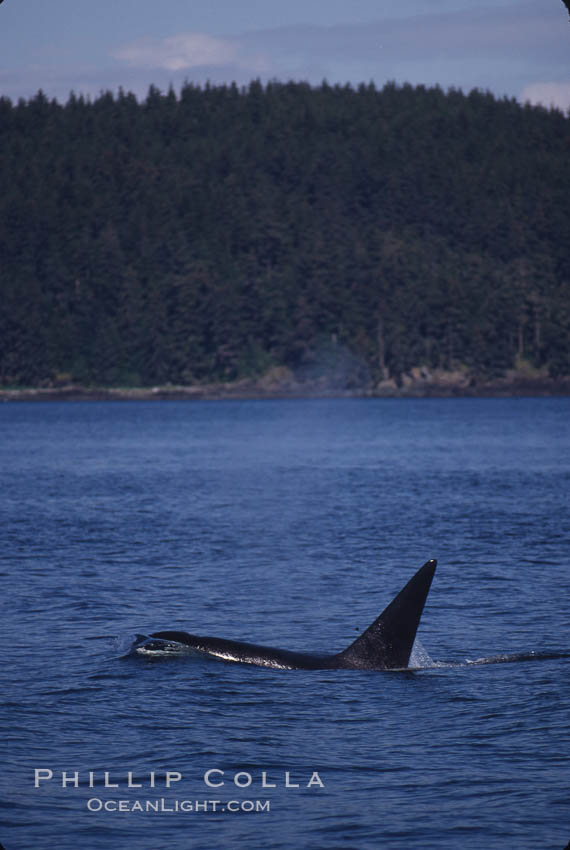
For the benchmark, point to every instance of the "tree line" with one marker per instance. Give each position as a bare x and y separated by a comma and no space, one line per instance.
213,233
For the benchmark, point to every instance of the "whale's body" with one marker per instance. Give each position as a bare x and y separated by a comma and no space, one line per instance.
385,645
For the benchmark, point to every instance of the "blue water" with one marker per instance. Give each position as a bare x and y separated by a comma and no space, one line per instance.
289,523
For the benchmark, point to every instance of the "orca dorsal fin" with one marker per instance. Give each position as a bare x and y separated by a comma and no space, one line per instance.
387,643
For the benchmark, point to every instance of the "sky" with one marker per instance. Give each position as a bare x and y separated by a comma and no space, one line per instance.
513,48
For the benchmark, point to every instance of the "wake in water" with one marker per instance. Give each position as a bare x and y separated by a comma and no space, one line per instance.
157,648
420,658
506,658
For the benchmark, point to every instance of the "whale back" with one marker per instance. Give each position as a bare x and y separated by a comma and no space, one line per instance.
385,645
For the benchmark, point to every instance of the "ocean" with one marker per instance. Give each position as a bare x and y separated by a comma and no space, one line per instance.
291,524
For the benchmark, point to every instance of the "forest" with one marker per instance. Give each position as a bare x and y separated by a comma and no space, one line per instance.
216,233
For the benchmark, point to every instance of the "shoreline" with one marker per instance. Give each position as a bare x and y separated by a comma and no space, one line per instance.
510,386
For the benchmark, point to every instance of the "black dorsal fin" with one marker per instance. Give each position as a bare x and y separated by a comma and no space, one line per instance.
388,642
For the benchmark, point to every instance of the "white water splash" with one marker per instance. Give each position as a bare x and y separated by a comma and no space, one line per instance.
420,657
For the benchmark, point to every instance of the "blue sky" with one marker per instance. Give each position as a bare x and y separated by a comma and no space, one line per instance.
517,48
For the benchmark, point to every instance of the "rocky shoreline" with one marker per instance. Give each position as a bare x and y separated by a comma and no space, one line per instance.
280,383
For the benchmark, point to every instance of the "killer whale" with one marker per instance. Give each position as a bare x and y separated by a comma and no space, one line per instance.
385,645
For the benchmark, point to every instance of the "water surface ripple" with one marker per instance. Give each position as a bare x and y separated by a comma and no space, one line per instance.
291,524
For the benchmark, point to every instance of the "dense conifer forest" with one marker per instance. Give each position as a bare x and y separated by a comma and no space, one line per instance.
215,233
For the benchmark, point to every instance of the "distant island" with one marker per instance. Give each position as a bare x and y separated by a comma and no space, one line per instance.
284,241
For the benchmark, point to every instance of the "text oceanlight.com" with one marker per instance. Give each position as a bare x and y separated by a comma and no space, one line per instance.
161,804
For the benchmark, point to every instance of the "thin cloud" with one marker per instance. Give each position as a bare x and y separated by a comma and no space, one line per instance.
526,31
180,52
186,51
547,94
